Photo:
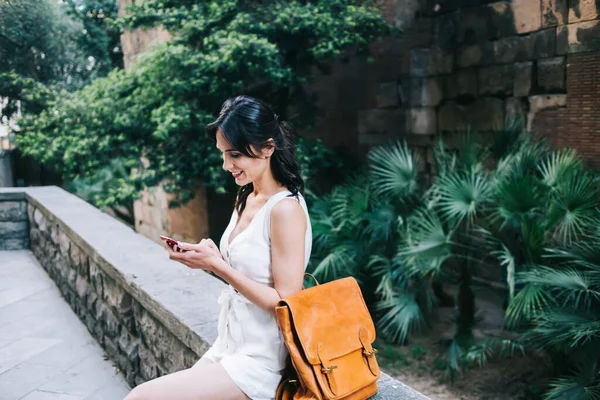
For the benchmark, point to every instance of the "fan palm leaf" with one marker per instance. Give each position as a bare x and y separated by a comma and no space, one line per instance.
483,351
578,387
402,315
394,170
559,165
571,287
463,196
527,304
562,329
381,268
339,263
427,246
573,207
380,224
518,198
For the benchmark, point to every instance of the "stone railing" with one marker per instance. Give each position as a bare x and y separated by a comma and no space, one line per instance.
152,315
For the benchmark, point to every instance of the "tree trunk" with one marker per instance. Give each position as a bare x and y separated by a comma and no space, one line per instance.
466,304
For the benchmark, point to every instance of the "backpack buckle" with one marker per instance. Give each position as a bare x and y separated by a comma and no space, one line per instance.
327,370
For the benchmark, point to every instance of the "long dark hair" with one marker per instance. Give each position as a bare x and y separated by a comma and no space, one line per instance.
246,121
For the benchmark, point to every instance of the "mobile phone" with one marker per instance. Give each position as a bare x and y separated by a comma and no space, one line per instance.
173,244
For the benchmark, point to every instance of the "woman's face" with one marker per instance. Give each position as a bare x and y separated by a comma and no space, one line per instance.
243,168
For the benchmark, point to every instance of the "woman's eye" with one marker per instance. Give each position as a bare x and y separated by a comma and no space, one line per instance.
235,155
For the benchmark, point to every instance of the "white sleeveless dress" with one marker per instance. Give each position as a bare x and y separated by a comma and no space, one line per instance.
249,344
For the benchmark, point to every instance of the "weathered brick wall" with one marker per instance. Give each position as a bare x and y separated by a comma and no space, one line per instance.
14,227
475,62
577,124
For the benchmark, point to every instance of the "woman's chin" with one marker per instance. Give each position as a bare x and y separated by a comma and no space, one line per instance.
241,182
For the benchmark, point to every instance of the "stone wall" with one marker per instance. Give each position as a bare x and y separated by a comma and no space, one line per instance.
14,227
476,62
151,315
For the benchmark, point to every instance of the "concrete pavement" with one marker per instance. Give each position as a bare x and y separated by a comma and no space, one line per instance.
46,352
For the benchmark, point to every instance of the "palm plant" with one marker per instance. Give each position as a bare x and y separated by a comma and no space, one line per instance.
549,240
355,232
514,205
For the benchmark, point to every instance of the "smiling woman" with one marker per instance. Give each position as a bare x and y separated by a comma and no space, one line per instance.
263,254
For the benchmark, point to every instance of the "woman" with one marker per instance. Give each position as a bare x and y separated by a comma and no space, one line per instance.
263,255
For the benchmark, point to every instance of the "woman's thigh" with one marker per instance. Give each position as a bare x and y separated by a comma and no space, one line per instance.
204,381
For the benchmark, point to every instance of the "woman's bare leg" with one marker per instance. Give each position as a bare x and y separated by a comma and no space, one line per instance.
204,381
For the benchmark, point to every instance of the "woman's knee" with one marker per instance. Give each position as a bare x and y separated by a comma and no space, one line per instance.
137,393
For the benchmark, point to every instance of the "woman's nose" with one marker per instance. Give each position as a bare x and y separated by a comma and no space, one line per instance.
226,164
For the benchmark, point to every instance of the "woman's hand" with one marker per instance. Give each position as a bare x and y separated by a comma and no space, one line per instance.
204,255
203,243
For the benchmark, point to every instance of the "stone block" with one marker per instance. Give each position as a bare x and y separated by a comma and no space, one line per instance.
426,91
12,211
551,75
82,288
514,48
578,38
522,80
71,276
527,15
462,83
14,229
128,345
474,25
546,102
469,56
451,117
96,279
485,114
423,121
583,10
381,121
91,302
64,243
430,61
111,324
14,244
30,210
445,30
544,43
387,95
496,80
515,109
476,55
39,219
115,296
554,13
479,24
147,363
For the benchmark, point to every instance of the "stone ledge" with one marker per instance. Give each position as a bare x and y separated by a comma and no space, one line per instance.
126,275
14,226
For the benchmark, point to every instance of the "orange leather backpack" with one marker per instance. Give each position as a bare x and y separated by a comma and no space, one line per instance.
329,334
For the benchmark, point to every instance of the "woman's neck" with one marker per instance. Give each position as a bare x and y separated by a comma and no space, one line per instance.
266,186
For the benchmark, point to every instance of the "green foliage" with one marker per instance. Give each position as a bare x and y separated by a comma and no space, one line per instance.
49,45
100,39
513,204
157,110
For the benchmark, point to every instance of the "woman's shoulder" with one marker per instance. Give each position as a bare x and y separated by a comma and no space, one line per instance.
288,211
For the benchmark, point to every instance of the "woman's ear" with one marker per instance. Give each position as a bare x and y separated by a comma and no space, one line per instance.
269,148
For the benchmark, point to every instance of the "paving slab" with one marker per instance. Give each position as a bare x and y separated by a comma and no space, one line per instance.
46,352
